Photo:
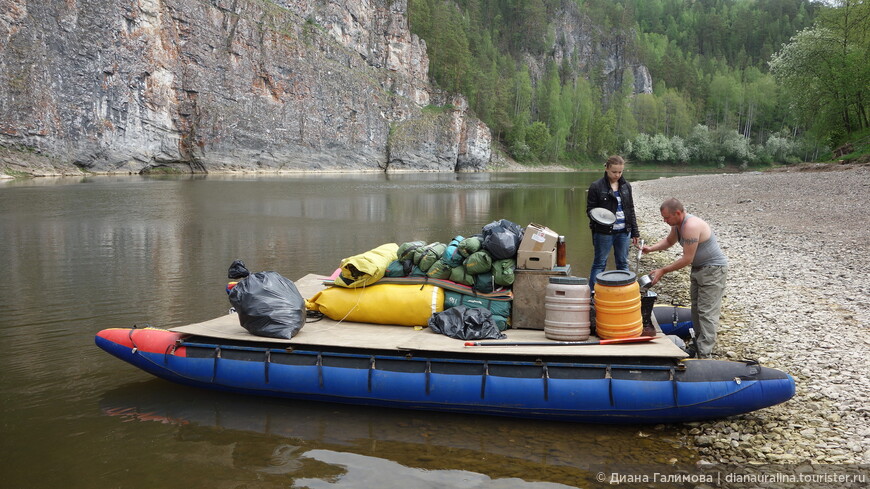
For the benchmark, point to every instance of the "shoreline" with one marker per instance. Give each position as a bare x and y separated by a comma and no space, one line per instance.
18,165
797,299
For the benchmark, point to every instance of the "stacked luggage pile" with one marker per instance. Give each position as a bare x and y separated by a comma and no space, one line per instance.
475,271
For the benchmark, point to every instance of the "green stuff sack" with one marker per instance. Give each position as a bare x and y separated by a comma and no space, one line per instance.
469,246
501,322
406,250
483,282
499,308
395,269
477,263
430,255
503,271
452,299
502,308
420,251
439,269
461,276
416,272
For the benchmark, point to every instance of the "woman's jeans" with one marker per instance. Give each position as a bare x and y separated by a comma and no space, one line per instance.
602,243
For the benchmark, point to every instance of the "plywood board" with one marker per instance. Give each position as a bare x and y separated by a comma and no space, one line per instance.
329,333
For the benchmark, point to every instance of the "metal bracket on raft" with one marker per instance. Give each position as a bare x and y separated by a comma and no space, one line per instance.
132,341
371,370
320,369
483,378
217,356
546,376
609,377
169,351
268,360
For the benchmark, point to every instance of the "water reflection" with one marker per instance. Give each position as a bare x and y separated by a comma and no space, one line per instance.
365,472
277,436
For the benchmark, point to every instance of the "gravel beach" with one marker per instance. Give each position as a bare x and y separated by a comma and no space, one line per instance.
797,299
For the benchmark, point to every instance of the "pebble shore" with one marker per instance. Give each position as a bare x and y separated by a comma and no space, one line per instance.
797,299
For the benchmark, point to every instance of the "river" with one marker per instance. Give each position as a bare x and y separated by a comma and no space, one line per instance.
82,254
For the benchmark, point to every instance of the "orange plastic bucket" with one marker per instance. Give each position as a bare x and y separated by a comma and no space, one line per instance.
617,305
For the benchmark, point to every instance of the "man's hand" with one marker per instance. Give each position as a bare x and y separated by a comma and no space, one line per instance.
656,275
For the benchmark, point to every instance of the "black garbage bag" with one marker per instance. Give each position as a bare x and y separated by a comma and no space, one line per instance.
269,305
237,270
466,323
502,239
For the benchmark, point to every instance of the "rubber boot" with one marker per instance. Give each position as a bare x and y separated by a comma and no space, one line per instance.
647,301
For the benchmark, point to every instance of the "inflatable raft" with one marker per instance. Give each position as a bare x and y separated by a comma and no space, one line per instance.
674,320
411,368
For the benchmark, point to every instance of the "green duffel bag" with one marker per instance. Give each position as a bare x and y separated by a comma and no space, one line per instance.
395,269
439,269
469,246
501,322
429,255
453,299
503,271
484,282
416,272
418,252
477,263
502,308
406,250
461,276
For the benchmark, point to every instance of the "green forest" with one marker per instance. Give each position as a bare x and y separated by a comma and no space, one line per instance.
742,82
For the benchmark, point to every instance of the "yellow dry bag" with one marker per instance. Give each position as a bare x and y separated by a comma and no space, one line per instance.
400,304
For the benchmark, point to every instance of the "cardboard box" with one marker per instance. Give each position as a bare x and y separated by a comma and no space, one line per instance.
536,260
538,238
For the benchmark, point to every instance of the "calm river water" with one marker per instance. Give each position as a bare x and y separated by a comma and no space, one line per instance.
81,255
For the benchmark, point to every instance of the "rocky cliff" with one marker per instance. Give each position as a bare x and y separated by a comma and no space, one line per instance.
593,52
213,85
126,86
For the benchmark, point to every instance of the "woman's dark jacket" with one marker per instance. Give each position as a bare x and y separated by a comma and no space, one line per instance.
600,195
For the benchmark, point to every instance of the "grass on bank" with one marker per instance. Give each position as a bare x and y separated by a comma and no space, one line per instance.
858,146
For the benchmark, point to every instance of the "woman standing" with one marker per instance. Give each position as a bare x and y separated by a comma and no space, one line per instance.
613,193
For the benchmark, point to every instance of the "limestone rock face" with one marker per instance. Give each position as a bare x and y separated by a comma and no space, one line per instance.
593,52
120,86
457,142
